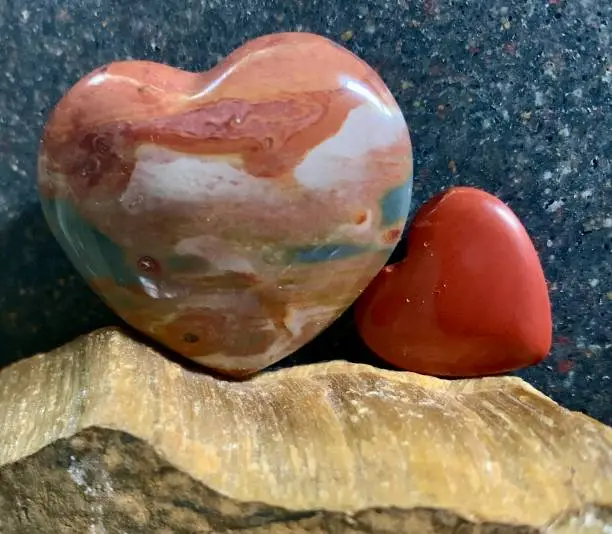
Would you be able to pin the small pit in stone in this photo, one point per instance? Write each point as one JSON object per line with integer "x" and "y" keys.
{"x": 190, "y": 338}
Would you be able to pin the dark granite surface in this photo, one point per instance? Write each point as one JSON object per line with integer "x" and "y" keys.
{"x": 514, "y": 96}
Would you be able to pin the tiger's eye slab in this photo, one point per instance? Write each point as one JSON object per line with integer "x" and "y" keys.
{"x": 234, "y": 214}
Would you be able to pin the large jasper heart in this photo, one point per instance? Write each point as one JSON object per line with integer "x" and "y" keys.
{"x": 231, "y": 215}
{"x": 470, "y": 297}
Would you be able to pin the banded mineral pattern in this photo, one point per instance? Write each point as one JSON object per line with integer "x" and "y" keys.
{"x": 234, "y": 214}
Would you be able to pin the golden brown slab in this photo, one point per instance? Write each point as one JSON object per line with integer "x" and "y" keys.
{"x": 105, "y": 435}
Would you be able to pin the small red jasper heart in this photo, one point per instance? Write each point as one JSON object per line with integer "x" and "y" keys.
{"x": 470, "y": 297}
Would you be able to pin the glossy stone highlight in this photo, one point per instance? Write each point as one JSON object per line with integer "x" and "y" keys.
{"x": 469, "y": 298}
{"x": 231, "y": 215}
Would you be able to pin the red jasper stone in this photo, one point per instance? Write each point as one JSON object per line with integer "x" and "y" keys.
{"x": 470, "y": 297}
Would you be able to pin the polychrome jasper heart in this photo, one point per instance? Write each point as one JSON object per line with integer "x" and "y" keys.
{"x": 470, "y": 297}
{"x": 231, "y": 215}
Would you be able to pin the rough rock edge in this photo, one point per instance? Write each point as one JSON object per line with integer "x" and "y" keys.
{"x": 106, "y": 481}
{"x": 101, "y": 494}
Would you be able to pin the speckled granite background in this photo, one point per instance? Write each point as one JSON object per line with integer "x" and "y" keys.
{"x": 514, "y": 96}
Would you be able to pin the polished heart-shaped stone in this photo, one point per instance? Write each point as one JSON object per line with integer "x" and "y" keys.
{"x": 234, "y": 214}
{"x": 469, "y": 298}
